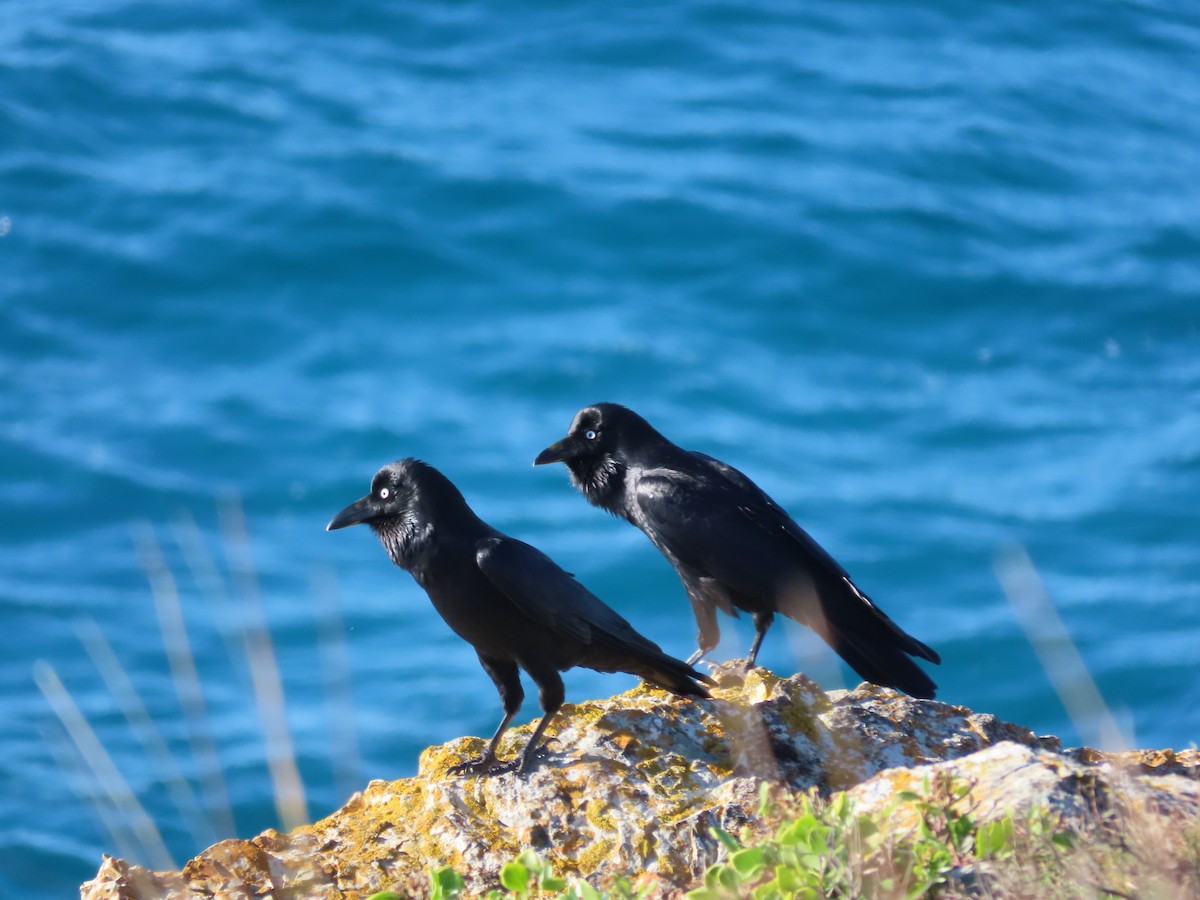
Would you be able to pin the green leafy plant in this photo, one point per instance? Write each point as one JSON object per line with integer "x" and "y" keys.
{"x": 805, "y": 857}
{"x": 528, "y": 876}
{"x": 806, "y": 848}
{"x": 445, "y": 884}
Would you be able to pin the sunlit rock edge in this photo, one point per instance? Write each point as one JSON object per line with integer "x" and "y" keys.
{"x": 633, "y": 784}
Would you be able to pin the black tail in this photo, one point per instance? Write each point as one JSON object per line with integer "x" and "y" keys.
{"x": 884, "y": 664}
{"x": 645, "y": 660}
{"x": 674, "y": 675}
{"x": 869, "y": 641}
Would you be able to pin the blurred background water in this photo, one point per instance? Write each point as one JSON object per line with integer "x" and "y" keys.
{"x": 930, "y": 273}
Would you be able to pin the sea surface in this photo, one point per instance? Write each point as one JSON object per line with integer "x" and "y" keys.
{"x": 928, "y": 272}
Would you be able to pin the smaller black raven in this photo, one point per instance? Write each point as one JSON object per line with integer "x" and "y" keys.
{"x": 732, "y": 545}
{"x": 505, "y": 598}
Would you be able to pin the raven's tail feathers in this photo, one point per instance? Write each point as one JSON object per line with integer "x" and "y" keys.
{"x": 884, "y": 664}
{"x": 645, "y": 660}
{"x": 628, "y": 651}
{"x": 675, "y": 676}
{"x": 869, "y": 641}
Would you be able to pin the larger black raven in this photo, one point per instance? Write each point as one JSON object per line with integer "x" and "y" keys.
{"x": 505, "y": 598}
{"x": 732, "y": 545}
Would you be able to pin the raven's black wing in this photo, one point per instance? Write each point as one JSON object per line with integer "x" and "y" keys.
{"x": 551, "y": 596}
{"x": 772, "y": 518}
{"x": 715, "y": 523}
{"x": 545, "y": 592}
{"x": 727, "y": 536}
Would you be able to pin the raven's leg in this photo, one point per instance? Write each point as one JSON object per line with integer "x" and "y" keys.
{"x": 709, "y": 634}
{"x": 507, "y": 678}
{"x": 550, "y": 695}
{"x": 762, "y": 621}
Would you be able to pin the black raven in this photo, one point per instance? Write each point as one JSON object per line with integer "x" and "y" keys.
{"x": 732, "y": 545}
{"x": 505, "y": 598}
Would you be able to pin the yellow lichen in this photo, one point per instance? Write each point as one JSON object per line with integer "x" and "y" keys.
{"x": 800, "y": 718}
{"x": 599, "y": 816}
{"x": 594, "y": 855}
{"x": 631, "y": 784}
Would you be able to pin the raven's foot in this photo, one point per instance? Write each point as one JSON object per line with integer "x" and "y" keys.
{"x": 490, "y": 765}
{"x": 525, "y": 761}
{"x": 484, "y": 764}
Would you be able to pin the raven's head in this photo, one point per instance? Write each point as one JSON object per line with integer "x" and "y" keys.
{"x": 602, "y": 442}
{"x": 399, "y": 507}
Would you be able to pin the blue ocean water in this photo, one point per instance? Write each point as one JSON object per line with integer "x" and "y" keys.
{"x": 929, "y": 273}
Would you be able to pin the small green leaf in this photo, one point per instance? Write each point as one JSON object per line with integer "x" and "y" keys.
{"x": 867, "y": 827}
{"x": 531, "y": 861}
{"x": 1063, "y": 839}
{"x": 712, "y": 877}
{"x": 444, "y": 884}
{"x": 621, "y": 889}
{"x": 729, "y": 879}
{"x": 790, "y": 879}
{"x": 515, "y": 877}
{"x": 994, "y": 838}
{"x": 798, "y": 832}
{"x": 385, "y": 895}
{"x": 749, "y": 862}
{"x": 959, "y": 830}
{"x": 839, "y": 807}
{"x": 728, "y": 841}
{"x": 768, "y": 891}
{"x": 811, "y": 861}
{"x": 585, "y": 891}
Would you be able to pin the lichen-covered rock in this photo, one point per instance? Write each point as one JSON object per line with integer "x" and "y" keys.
{"x": 635, "y": 783}
{"x": 1008, "y": 777}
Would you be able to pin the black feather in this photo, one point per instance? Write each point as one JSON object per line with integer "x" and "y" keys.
{"x": 510, "y": 601}
{"x": 733, "y": 547}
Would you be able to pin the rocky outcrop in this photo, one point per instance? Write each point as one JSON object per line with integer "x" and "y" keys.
{"x": 634, "y": 784}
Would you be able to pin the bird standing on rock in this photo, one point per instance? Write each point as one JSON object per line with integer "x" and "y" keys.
{"x": 508, "y": 600}
{"x": 733, "y": 546}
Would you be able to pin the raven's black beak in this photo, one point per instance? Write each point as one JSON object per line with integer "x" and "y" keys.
{"x": 560, "y": 451}
{"x": 358, "y": 511}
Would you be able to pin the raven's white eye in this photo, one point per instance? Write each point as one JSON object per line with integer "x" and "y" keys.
{"x": 384, "y": 493}
{"x": 590, "y": 435}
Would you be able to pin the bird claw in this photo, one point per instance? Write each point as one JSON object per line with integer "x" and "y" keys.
{"x": 489, "y": 765}
{"x": 484, "y": 764}
{"x": 522, "y": 763}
